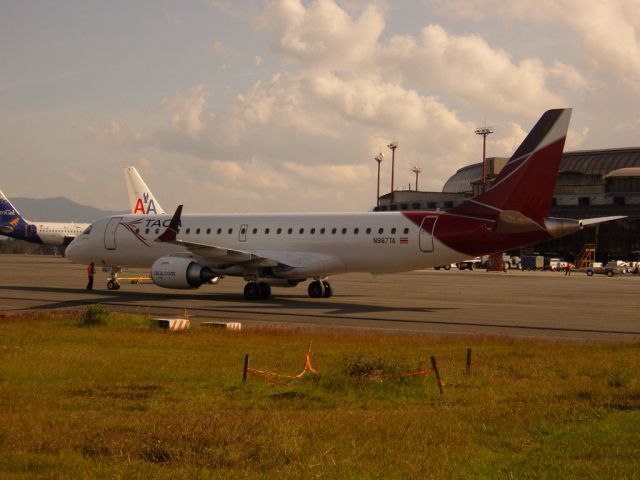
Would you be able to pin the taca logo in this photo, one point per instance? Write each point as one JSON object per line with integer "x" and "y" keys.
{"x": 7, "y": 212}
{"x": 143, "y": 202}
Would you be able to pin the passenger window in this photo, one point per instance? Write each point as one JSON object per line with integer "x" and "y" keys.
{"x": 146, "y": 231}
{"x": 344, "y": 230}
{"x": 266, "y": 231}
{"x": 368, "y": 231}
{"x": 137, "y": 231}
{"x": 197, "y": 231}
{"x": 157, "y": 231}
{"x": 313, "y": 231}
{"x": 290, "y": 231}
{"x": 334, "y": 230}
{"x": 356, "y": 231}
{"x": 301, "y": 231}
{"x": 230, "y": 231}
{"x": 279, "y": 231}
{"x": 208, "y": 231}
{"x": 219, "y": 231}
{"x": 381, "y": 231}
{"x": 322, "y": 230}
{"x": 255, "y": 230}
{"x": 243, "y": 230}
{"x": 188, "y": 230}
{"x": 406, "y": 230}
{"x": 393, "y": 231}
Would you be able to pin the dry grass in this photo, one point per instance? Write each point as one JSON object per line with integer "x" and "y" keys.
{"x": 123, "y": 401}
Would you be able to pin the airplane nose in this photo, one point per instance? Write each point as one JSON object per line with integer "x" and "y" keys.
{"x": 71, "y": 252}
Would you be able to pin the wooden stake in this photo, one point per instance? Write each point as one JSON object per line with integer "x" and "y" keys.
{"x": 469, "y": 361}
{"x": 434, "y": 366}
{"x": 246, "y": 367}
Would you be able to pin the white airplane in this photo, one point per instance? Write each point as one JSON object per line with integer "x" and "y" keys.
{"x": 14, "y": 225}
{"x": 286, "y": 249}
{"x": 142, "y": 200}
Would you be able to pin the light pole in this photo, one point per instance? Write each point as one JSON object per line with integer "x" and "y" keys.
{"x": 484, "y": 131}
{"x": 392, "y": 146}
{"x": 417, "y": 170}
{"x": 378, "y": 158}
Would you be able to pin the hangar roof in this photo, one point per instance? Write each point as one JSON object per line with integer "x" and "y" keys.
{"x": 587, "y": 162}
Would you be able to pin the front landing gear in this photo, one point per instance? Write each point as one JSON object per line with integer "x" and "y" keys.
{"x": 257, "y": 291}
{"x": 320, "y": 289}
{"x": 113, "y": 283}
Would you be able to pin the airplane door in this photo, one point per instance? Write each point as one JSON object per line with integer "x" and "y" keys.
{"x": 427, "y": 231}
{"x": 110, "y": 233}
{"x": 243, "y": 232}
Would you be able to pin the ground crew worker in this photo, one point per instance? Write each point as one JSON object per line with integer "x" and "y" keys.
{"x": 91, "y": 270}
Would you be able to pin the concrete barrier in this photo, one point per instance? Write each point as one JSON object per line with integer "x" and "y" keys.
{"x": 170, "y": 323}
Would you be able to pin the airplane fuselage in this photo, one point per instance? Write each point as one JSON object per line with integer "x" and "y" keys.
{"x": 337, "y": 242}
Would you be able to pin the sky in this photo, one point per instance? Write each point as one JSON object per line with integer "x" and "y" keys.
{"x": 282, "y": 105}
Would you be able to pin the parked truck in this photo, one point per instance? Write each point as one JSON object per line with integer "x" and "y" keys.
{"x": 534, "y": 262}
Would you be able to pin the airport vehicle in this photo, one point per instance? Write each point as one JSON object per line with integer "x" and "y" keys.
{"x": 286, "y": 249}
{"x": 534, "y": 262}
{"x": 14, "y": 225}
{"x": 609, "y": 269}
{"x": 469, "y": 264}
{"x": 444, "y": 267}
{"x": 141, "y": 199}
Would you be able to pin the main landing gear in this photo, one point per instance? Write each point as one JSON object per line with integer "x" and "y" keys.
{"x": 257, "y": 291}
{"x": 113, "y": 283}
{"x": 320, "y": 289}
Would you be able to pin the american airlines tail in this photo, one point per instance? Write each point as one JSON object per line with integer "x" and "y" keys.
{"x": 142, "y": 200}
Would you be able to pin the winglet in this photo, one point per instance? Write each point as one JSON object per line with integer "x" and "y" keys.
{"x": 170, "y": 234}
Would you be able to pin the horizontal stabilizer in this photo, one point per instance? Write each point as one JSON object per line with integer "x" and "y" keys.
{"x": 594, "y": 221}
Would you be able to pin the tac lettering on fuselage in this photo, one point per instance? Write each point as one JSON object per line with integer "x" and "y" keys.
{"x": 150, "y": 223}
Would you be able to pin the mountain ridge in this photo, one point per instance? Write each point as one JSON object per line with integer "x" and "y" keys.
{"x": 59, "y": 209}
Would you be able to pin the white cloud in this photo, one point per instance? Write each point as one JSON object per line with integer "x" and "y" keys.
{"x": 310, "y": 131}
{"x": 187, "y": 110}
{"x": 608, "y": 32}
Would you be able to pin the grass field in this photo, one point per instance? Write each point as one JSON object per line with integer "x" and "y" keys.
{"x": 125, "y": 401}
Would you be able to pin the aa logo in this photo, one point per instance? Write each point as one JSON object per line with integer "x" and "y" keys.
{"x": 145, "y": 205}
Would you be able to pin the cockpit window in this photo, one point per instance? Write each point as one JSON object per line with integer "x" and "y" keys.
{"x": 87, "y": 230}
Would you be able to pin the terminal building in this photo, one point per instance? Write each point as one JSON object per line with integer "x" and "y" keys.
{"x": 591, "y": 183}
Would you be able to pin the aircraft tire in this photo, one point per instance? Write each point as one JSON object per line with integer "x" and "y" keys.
{"x": 264, "y": 291}
{"x": 251, "y": 291}
{"x": 328, "y": 291}
{"x": 315, "y": 289}
{"x": 111, "y": 285}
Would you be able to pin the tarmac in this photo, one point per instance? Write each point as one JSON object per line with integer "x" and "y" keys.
{"x": 539, "y": 305}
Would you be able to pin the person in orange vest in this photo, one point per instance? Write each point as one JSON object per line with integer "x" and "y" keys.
{"x": 91, "y": 270}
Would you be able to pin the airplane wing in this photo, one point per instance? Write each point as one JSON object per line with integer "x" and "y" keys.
{"x": 593, "y": 221}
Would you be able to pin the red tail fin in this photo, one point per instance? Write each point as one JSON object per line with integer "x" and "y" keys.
{"x": 528, "y": 180}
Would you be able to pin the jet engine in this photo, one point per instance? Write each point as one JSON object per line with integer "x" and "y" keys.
{"x": 180, "y": 272}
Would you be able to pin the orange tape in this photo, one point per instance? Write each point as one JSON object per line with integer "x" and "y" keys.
{"x": 417, "y": 372}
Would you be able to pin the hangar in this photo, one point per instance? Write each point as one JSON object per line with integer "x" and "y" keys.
{"x": 591, "y": 183}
